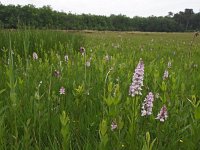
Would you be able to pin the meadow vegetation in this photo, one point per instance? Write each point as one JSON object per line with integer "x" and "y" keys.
{"x": 69, "y": 90}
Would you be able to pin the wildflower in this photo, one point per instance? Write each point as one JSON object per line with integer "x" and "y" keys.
{"x": 87, "y": 63}
{"x": 166, "y": 75}
{"x": 88, "y": 92}
{"x": 62, "y": 90}
{"x": 107, "y": 58}
{"x": 66, "y": 58}
{"x": 82, "y": 50}
{"x": 195, "y": 65}
{"x": 137, "y": 80}
{"x": 56, "y": 73}
{"x": 111, "y": 68}
{"x": 162, "y": 116}
{"x": 157, "y": 95}
{"x": 117, "y": 79}
{"x": 147, "y": 105}
{"x": 113, "y": 126}
{"x": 40, "y": 84}
{"x": 169, "y": 64}
{"x": 115, "y": 45}
{"x": 35, "y": 56}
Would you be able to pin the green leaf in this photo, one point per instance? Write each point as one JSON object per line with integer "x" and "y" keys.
{"x": 110, "y": 87}
{"x": 2, "y": 91}
{"x": 103, "y": 127}
{"x": 108, "y": 101}
{"x": 64, "y": 119}
{"x": 182, "y": 87}
{"x": 197, "y": 113}
{"x": 105, "y": 139}
{"x": 120, "y": 123}
{"x": 152, "y": 143}
{"x": 156, "y": 74}
{"x": 145, "y": 146}
{"x": 164, "y": 86}
{"x": 148, "y": 138}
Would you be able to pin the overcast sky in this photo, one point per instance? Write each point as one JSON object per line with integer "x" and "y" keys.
{"x": 106, "y": 7}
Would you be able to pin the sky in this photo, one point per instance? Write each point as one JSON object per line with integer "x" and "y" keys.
{"x": 129, "y": 8}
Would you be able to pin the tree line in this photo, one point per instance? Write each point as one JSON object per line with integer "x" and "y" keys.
{"x": 14, "y": 17}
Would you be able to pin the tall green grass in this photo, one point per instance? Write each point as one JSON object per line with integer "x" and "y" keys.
{"x": 34, "y": 115}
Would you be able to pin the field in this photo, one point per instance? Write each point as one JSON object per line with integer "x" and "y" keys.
{"x": 99, "y": 90}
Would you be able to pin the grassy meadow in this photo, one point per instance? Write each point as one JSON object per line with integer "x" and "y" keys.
{"x": 70, "y": 90}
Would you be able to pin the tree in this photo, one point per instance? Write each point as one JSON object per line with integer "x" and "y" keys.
{"x": 188, "y": 15}
{"x": 12, "y": 16}
{"x": 170, "y": 14}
